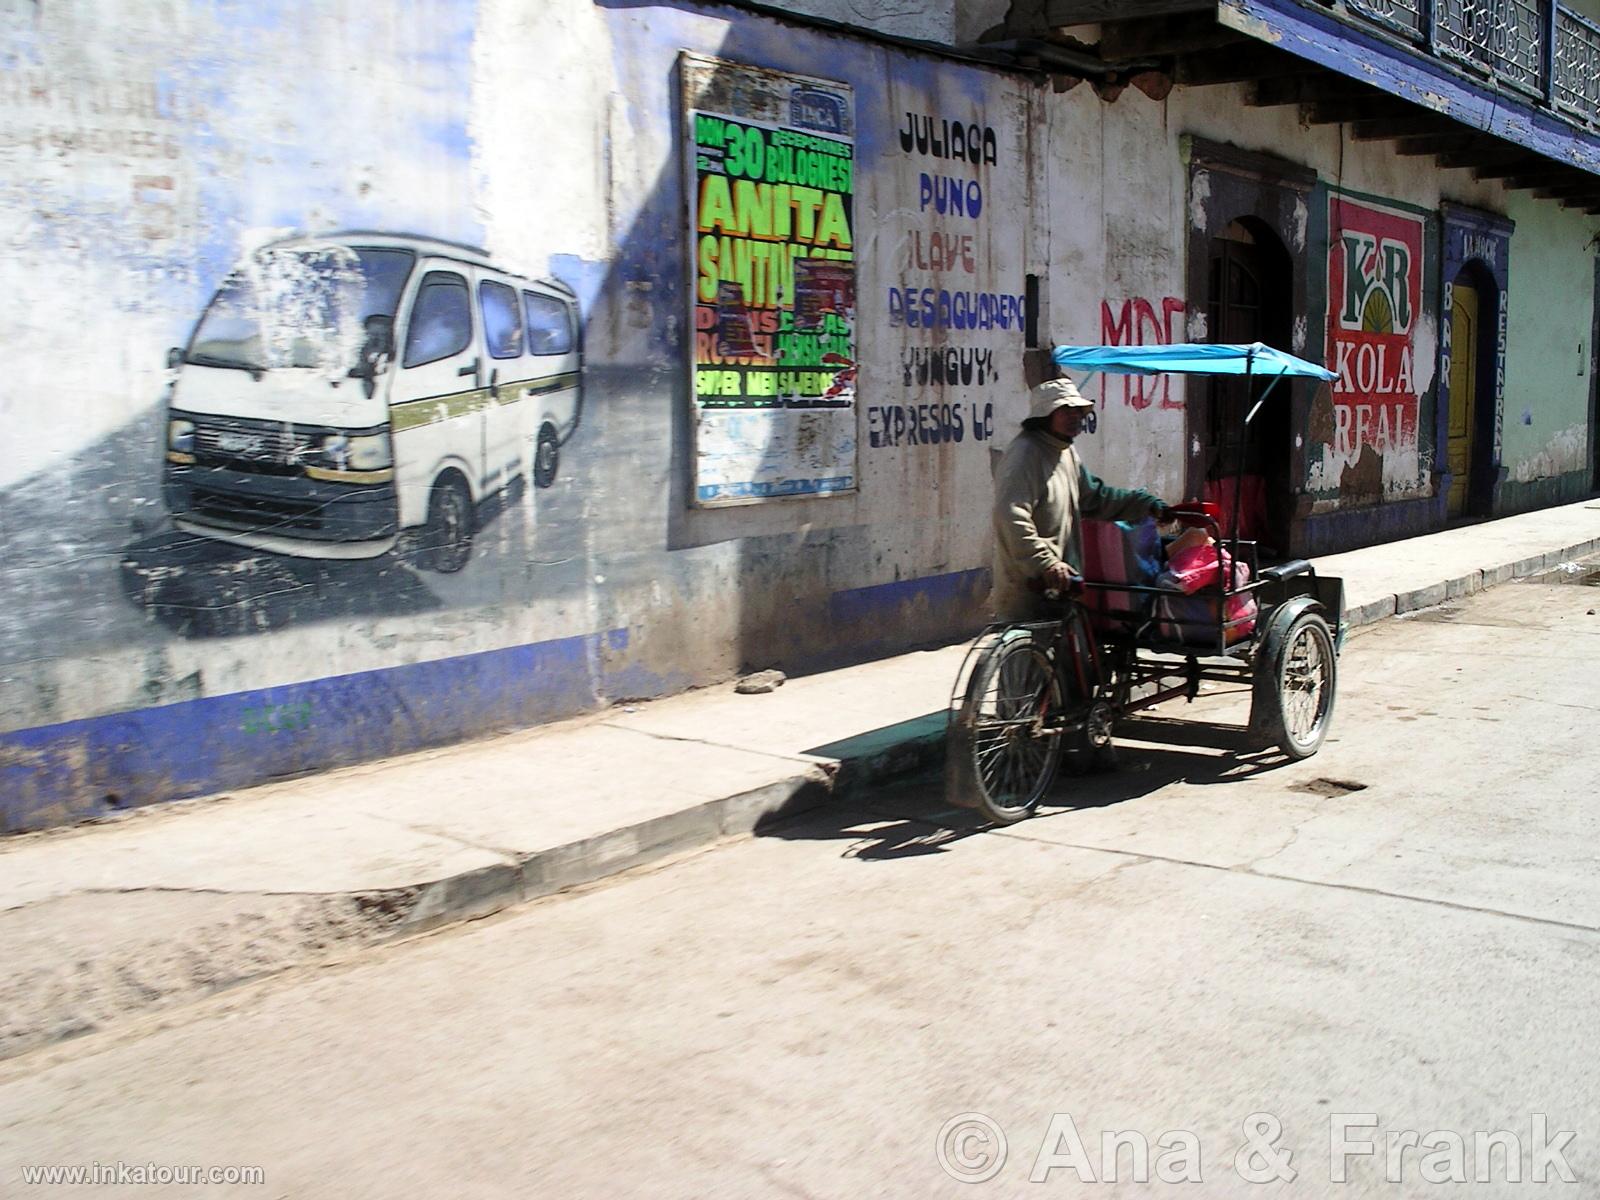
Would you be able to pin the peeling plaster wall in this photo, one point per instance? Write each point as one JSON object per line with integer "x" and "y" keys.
{"x": 1336, "y": 472}
{"x": 1120, "y": 208}
{"x": 1114, "y": 271}
{"x": 1548, "y": 354}
{"x": 1564, "y": 453}
{"x": 144, "y": 152}
{"x": 923, "y": 20}
{"x": 1549, "y": 305}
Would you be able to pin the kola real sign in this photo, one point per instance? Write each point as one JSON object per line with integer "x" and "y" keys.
{"x": 1374, "y": 300}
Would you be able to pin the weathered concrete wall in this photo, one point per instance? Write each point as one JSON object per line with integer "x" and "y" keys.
{"x": 1116, "y": 196}
{"x": 1371, "y": 470}
{"x": 146, "y": 152}
{"x": 1122, "y": 207}
{"x": 922, "y": 20}
{"x": 1545, "y": 448}
{"x": 940, "y": 22}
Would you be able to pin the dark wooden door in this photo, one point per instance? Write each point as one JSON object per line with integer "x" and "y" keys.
{"x": 1248, "y": 301}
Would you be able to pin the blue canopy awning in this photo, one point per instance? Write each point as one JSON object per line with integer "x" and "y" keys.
{"x": 1188, "y": 358}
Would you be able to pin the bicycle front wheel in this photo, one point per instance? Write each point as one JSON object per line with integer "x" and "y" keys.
{"x": 1010, "y": 729}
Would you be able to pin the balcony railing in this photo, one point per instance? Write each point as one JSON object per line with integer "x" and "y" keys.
{"x": 1404, "y": 16}
{"x": 1576, "y": 67}
{"x": 1503, "y": 37}
{"x": 1538, "y": 47}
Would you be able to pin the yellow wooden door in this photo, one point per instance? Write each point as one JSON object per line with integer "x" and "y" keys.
{"x": 1463, "y": 391}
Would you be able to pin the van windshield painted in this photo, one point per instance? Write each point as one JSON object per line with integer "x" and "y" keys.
{"x": 305, "y": 308}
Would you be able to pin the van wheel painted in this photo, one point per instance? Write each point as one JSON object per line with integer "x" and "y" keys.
{"x": 546, "y": 456}
{"x": 447, "y": 537}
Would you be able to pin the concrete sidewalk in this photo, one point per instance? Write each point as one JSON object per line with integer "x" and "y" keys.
{"x": 101, "y": 922}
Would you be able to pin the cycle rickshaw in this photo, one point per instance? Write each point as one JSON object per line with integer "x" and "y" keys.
{"x": 1029, "y": 693}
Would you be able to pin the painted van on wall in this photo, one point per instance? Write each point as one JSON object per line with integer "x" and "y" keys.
{"x": 343, "y": 392}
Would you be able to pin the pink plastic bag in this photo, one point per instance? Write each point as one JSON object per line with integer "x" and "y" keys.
{"x": 1196, "y": 567}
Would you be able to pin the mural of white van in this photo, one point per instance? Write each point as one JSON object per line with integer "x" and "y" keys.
{"x": 344, "y": 391}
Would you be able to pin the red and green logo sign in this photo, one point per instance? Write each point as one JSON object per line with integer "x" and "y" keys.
{"x": 1374, "y": 296}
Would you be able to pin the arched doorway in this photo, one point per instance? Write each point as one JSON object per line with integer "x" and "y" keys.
{"x": 1469, "y": 425}
{"x": 1248, "y": 299}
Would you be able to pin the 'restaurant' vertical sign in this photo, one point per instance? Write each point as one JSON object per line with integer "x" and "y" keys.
{"x": 771, "y": 180}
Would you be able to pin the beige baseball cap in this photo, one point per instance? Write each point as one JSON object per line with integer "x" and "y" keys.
{"x": 1053, "y": 394}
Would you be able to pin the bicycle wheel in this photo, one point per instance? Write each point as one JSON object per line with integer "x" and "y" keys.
{"x": 1295, "y": 686}
{"x": 1010, "y": 729}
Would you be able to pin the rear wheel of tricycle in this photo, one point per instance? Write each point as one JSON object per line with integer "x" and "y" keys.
{"x": 1295, "y": 681}
{"x": 1008, "y": 733}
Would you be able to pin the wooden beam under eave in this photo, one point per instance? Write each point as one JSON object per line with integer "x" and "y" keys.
{"x": 1093, "y": 12}
{"x": 1578, "y": 189}
{"x": 1411, "y": 125}
{"x": 1380, "y": 121}
{"x": 1539, "y": 179}
{"x": 1186, "y": 33}
{"x": 1242, "y": 64}
{"x": 1432, "y": 144}
{"x": 1513, "y": 161}
{"x": 1537, "y": 174}
{"x": 1308, "y": 85}
{"x": 1483, "y": 156}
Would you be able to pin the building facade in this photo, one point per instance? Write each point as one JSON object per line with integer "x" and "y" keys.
{"x": 381, "y": 378}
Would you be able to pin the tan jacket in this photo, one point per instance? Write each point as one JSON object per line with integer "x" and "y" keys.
{"x": 1041, "y": 490}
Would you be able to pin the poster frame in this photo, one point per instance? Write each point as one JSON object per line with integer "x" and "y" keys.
{"x": 686, "y": 142}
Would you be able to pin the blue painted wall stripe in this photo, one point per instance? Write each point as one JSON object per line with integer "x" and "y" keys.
{"x": 58, "y": 773}
{"x": 855, "y": 604}
{"x": 887, "y": 617}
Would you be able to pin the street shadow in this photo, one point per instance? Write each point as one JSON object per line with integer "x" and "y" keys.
{"x": 1174, "y": 731}
{"x": 917, "y": 815}
{"x": 874, "y": 834}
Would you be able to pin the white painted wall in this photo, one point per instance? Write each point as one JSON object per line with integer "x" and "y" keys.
{"x": 571, "y": 169}
{"x": 143, "y": 149}
{"x": 925, "y": 20}
{"x": 1118, "y": 202}
{"x": 1548, "y": 334}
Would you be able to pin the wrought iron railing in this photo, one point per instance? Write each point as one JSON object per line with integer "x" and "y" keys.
{"x": 1541, "y": 48}
{"x": 1503, "y": 37}
{"x": 1576, "y": 66}
{"x": 1407, "y": 17}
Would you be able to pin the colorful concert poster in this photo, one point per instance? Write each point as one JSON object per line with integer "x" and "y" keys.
{"x": 771, "y": 180}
